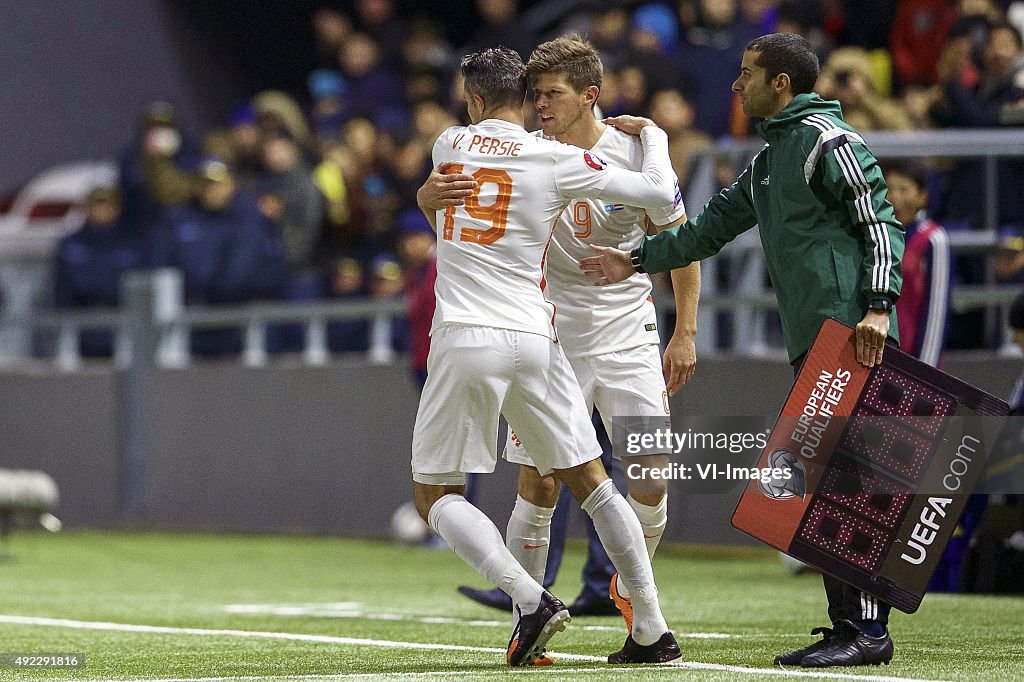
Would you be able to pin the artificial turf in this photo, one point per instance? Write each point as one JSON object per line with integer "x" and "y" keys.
{"x": 366, "y": 599}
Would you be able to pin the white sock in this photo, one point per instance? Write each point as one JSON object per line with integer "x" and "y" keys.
{"x": 652, "y": 522}
{"x": 528, "y": 535}
{"x": 620, "y": 533}
{"x": 475, "y": 539}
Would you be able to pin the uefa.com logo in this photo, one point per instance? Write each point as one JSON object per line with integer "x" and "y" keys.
{"x": 784, "y": 487}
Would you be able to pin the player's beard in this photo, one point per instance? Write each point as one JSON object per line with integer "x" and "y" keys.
{"x": 558, "y": 128}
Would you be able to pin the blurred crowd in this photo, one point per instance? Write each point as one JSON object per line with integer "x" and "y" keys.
{"x": 311, "y": 195}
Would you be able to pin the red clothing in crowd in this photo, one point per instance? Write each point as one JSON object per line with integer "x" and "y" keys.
{"x": 918, "y": 37}
{"x": 420, "y": 302}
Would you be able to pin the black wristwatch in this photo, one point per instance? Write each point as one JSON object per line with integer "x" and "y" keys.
{"x": 634, "y": 258}
{"x": 880, "y": 305}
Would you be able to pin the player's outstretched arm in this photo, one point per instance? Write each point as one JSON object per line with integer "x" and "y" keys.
{"x": 680, "y": 358}
{"x": 608, "y": 266}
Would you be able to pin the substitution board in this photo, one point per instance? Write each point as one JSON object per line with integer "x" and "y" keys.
{"x": 874, "y": 466}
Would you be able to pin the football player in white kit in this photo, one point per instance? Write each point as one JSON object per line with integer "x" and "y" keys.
{"x": 610, "y": 336}
{"x": 494, "y": 350}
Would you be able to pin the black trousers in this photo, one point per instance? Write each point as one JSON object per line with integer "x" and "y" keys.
{"x": 846, "y": 602}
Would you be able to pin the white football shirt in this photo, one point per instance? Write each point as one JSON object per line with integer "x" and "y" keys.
{"x": 491, "y": 251}
{"x": 594, "y": 320}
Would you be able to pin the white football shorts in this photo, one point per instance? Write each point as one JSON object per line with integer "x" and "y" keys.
{"x": 626, "y": 383}
{"x": 473, "y": 374}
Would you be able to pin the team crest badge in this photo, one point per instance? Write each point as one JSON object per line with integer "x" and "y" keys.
{"x": 594, "y": 161}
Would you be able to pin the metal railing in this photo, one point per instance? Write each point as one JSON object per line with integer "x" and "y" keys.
{"x": 154, "y": 304}
{"x": 154, "y": 310}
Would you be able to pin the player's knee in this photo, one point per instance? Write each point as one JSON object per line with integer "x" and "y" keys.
{"x": 426, "y": 496}
{"x": 643, "y": 487}
{"x": 583, "y": 479}
{"x": 647, "y": 497}
{"x": 536, "y": 489}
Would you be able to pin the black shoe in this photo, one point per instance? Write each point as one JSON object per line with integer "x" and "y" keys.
{"x": 665, "y": 650}
{"x": 495, "y": 598}
{"x": 850, "y": 646}
{"x": 534, "y": 630}
{"x": 794, "y": 657}
{"x": 593, "y": 605}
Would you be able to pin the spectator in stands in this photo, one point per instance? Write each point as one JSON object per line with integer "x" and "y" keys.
{"x": 374, "y": 90}
{"x": 276, "y": 110}
{"x": 430, "y": 119}
{"x": 709, "y": 51}
{"x": 917, "y": 102}
{"x": 378, "y": 20}
{"x": 500, "y": 24}
{"x": 847, "y": 76}
{"x": 238, "y": 145}
{"x": 631, "y": 86}
{"x": 923, "y": 308}
{"x": 610, "y": 35}
{"x": 674, "y": 115}
{"x": 329, "y": 177}
{"x": 409, "y": 164}
{"x": 225, "y": 248}
{"x": 89, "y": 263}
{"x": 388, "y": 333}
{"x": 346, "y": 282}
{"x": 327, "y": 89}
{"x": 290, "y": 198}
{"x": 330, "y": 30}
{"x": 372, "y": 197}
{"x": 996, "y": 100}
{"x": 976, "y": 17}
{"x": 416, "y": 248}
{"x": 652, "y": 44}
{"x": 917, "y": 37}
{"x": 154, "y": 168}
{"x": 805, "y": 17}
{"x": 1009, "y": 256}
{"x": 763, "y": 14}
{"x": 867, "y": 23}
{"x": 427, "y": 61}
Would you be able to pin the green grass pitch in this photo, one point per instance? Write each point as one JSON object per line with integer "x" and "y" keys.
{"x": 147, "y": 606}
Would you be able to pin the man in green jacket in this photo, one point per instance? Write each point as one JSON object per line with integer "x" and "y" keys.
{"x": 833, "y": 247}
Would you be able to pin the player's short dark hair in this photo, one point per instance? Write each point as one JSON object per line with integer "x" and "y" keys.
{"x": 496, "y": 74}
{"x": 790, "y": 54}
{"x": 914, "y": 171}
{"x": 571, "y": 56}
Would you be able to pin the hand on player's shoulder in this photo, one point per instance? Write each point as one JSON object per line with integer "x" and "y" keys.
{"x": 631, "y": 125}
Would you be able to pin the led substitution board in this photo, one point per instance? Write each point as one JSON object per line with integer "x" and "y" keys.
{"x": 873, "y": 467}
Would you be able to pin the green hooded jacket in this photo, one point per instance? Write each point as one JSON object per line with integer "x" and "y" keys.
{"x": 830, "y": 237}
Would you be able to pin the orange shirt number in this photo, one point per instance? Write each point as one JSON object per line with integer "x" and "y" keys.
{"x": 581, "y": 216}
{"x": 496, "y": 213}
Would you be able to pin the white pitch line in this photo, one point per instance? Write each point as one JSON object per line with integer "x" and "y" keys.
{"x": 352, "y": 610}
{"x": 409, "y": 675}
{"x": 356, "y": 641}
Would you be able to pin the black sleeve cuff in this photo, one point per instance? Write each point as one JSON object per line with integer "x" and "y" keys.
{"x": 634, "y": 257}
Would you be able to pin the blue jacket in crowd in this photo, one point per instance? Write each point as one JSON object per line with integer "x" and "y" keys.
{"x": 225, "y": 256}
